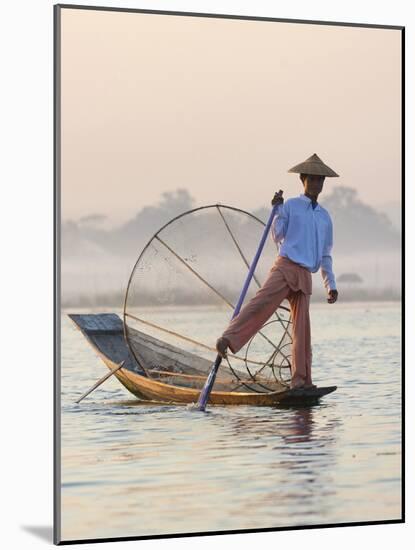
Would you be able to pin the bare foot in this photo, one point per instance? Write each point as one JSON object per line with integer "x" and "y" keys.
{"x": 297, "y": 387}
{"x": 303, "y": 387}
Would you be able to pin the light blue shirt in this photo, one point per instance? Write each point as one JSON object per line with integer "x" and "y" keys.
{"x": 306, "y": 236}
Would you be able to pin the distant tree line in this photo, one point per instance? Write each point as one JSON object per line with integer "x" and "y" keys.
{"x": 357, "y": 226}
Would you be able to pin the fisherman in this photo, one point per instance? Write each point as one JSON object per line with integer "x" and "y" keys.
{"x": 305, "y": 230}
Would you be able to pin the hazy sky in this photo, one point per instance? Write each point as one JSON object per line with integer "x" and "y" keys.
{"x": 223, "y": 108}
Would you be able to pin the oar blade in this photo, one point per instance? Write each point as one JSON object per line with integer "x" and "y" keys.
{"x": 207, "y": 388}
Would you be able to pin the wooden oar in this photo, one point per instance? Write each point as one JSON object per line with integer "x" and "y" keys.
{"x": 207, "y": 388}
{"x": 101, "y": 381}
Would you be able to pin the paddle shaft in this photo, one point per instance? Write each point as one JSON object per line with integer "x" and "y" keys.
{"x": 101, "y": 381}
{"x": 207, "y": 388}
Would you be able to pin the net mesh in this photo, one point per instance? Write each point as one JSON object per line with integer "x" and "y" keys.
{"x": 182, "y": 293}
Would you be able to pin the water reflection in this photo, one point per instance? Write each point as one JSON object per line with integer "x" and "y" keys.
{"x": 235, "y": 467}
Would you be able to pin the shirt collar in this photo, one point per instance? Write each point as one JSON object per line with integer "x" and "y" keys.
{"x": 307, "y": 199}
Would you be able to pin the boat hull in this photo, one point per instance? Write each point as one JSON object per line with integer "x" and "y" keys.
{"x": 104, "y": 333}
{"x": 148, "y": 389}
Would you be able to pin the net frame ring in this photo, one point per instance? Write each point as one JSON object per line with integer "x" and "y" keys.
{"x": 283, "y": 378}
{"x": 219, "y": 208}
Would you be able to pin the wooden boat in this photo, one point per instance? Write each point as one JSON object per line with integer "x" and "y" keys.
{"x": 173, "y": 375}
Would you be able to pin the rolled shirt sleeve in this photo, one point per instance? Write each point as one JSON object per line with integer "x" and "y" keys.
{"x": 280, "y": 223}
{"x": 327, "y": 261}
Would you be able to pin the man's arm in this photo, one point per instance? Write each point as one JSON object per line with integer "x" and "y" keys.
{"x": 327, "y": 261}
{"x": 280, "y": 223}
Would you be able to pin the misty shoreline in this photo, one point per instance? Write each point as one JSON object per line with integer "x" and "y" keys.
{"x": 97, "y": 262}
{"x": 116, "y": 299}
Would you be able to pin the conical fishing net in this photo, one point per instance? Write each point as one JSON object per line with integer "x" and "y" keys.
{"x": 181, "y": 296}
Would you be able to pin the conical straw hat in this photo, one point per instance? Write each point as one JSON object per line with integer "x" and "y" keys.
{"x": 315, "y": 167}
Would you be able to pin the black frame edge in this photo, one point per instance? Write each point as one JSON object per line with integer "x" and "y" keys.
{"x": 230, "y": 16}
{"x": 56, "y": 275}
{"x": 232, "y": 532}
{"x": 403, "y": 299}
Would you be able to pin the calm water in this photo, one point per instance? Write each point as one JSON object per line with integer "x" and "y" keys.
{"x": 130, "y": 469}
